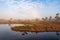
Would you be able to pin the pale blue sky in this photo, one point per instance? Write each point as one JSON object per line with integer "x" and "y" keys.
{"x": 28, "y": 9}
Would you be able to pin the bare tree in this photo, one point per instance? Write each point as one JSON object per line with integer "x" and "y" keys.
{"x": 46, "y": 18}
{"x": 43, "y": 19}
{"x": 57, "y": 18}
{"x": 50, "y": 18}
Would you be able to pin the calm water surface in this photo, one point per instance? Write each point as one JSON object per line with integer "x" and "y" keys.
{"x": 7, "y": 34}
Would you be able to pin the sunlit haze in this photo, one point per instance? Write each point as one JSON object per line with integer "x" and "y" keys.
{"x": 28, "y": 9}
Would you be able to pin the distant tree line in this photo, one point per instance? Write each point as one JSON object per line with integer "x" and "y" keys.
{"x": 50, "y": 19}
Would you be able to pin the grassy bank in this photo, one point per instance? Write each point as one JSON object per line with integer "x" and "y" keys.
{"x": 39, "y": 27}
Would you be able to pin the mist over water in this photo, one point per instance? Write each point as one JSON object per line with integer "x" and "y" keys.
{"x": 7, "y": 34}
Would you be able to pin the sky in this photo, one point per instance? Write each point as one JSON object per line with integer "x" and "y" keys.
{"x": 28, "y": 9}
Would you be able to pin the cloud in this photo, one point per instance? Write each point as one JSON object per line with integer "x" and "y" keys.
{"x": 29, "y": 9}
{"x": 23, "y": 10}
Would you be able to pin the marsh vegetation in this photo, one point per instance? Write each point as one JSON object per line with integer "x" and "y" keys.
{"x": 44, "y": 25}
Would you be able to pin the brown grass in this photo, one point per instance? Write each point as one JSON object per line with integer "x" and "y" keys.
{"x": 39, "y": 27}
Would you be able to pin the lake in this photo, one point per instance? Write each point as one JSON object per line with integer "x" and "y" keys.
{"x": 7, "y": 34}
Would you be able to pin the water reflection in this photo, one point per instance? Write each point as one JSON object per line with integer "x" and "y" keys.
{"x": 57, "y": 33}
{"x": 24, "y": 32}
{"x": 6, "y": 33}
{"x": 42, "y": 35}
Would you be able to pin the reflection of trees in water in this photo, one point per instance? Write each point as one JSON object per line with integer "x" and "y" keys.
{"x": 24, "y": 33}
{"x": 57, "y": 33}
